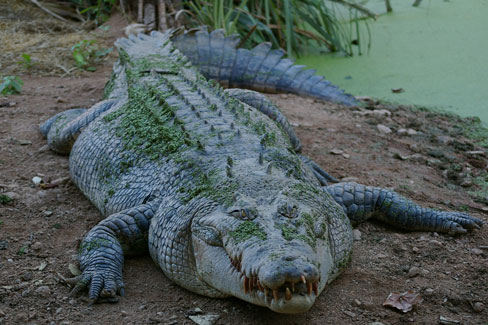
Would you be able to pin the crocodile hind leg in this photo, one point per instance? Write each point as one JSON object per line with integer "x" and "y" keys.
{"x": 361, "y": 202}
{"x": 102, "y": 251}
{"x": 63, "y": 128}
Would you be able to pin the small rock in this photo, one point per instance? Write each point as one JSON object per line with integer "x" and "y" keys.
{"x": 381, "y": 256}
{"x": 424, "y": 272}
{"x": 357, "y": 302}
{"x": 478, "y": 307}
{"x": 383, "y": 129}
{"x": 44, "y": 148}
{"x": 336, "y": 152}
{"x": 26, "y": 293}
{"x": 209, "y": 319}
{"x": 356, "y": 234}
{"x": 59, "y": 310}
{"x": 21, "y": 318}
{"x": 444, "y": 139}
{"x": 2, "y": 314}
{"x": 381, "y": 112}
{"x": 345, "y": 155}
{"x": 36, "y": 246}
{"x": 476, "y": 251}
{"x": 415, "y": 249}
{"x": 25, "y": 142}
{"x": 36, "y": 180}
{"x": 448, "y": 321}
{"x": 12, "y": 195}
{"x": 411, "y": 132}
{"x": 476, "y": 153}
{"x": 142, "y": 307}
{"x": 47, "y": 213}
{"x": 43, "y": 291}
{"x": 413, "y": 272}
{"x": 27, "y": 276}
{"x": 428, "y": 292}
{"x": 3, "y": 245}
{"x": 198, "y": 310}
{"x": 467, "y": 182}
{"x": 402, "y": 131}
{"x": 435, "y": 242}
{"x": 349, "y": 313}
{"x": 124, "y": 313}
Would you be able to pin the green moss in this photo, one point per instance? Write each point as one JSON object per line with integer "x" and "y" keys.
{"x": 246, "y": 230}
{"x": 211, "y": 186}
{"x": 109, "y": 86}
{"x": 4, "y": 199}
{"x": 146, "y": 124}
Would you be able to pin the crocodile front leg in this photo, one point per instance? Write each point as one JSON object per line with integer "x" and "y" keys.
{"x": 101, "y": 253}
{"x": 361, "y": 202}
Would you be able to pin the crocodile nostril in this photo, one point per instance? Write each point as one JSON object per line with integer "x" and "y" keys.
{"x": 290, "y": 258}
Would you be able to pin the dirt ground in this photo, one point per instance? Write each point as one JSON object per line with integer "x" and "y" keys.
{"x": 40, "y": 228}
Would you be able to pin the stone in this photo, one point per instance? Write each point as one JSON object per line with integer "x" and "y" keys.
{"x": 402, "y": 131}
{"x": 356, "y": 234}
{"x": 428, "y": 292}
{"x": 36, "y": 180}
{"x": 27, "y": 276}
{"x": 383, "y": 129}
{"x": 476, "y": 251}
{"x": 208, "y": 319}
{"x": 43, "y": 291}
{"x": 478, "y": 307}
{"x": 413, "y": 272}
{"x": 3, "y": 245}
{"x": 349, "y": 313}
{"x": 336, "y": 152}
{"x": 12, "y": 195}
{"x": 415, "y": 249}
{"x": 36, "y": 246}
{"x": 411, "y": 132}
{"x": 349, "y": 179}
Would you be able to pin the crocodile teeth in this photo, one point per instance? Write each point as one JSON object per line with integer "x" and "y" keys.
{"x": 259, "y": 286}
{"x": 287, "y": 294}
{"x": 315, "y": 288}
{"x": 275, "y": 294}
{"x": 246, "y": 284}
{"x": 302, "y": 277}
{"x": 309, "y": 287}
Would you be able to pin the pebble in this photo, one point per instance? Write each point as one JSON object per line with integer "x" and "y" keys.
{"x": 381, "y": 256}
{"x": 142, "y": 307}
{"x": 209, "y": 319}
{"x": 383, "y": 129}
{"x": 381, "y": 112}
{"x": 428, "y": 292}
{"x": 413, "y": 272}
{"x": 402, "y": 131}
{"x": 36, "y": 180}
{"x": 349, "y": 313}
{"x": 12, "y": 195}
{"x": 478, "y": 307}
{"x": 411, "y": 132}
{"x": 356, "y": 234}
{"x": 27, "y": 276}
{"x": 415, "y": 249}
{"x": 124, "y": 313}
{"x": 36, "y": 246}
{"x": 357, "y": 302}
{"x": 43, "y": 291}
{"x": 444, "y": 139}
{"x": 476, "y": 251}
{"x": 336, "y": 152}
{"x": 3, "y": 245}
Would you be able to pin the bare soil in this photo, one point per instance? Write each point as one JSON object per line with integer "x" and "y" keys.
{"x": 41, "y": 228}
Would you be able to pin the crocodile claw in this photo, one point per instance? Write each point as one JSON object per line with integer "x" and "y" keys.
{"x": 457, "y": 223}
{"x": 103, "y": 285}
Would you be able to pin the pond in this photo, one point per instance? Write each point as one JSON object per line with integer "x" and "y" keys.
{"x": 437, "y": 53}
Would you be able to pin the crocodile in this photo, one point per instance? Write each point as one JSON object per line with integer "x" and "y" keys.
{"x": 211, "y": 183}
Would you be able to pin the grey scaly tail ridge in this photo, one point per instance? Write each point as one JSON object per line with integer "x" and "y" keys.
{"x": 261, "y": 68}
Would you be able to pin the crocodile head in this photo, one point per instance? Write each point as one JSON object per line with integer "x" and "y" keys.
{"x": 276, "y": 255}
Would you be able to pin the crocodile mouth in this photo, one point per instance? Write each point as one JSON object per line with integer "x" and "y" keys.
{"x": 290, "y": 297}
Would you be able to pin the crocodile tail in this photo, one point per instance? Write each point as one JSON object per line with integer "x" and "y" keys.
{"x": 261, "y": 68}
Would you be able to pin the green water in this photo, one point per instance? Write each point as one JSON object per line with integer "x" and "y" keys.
{"x": 438, "y": 53}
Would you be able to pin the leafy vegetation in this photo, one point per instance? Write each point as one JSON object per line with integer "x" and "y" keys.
{"x": 26, "y": 61}
{"x": 87, "y": 53}
{"x": 96, "y": 10}
{"x": 290, "y": 24}
{"x": 11, "y": 85}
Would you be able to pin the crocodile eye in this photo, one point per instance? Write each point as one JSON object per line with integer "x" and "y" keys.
{"x": 244, "y": 214}
{"x": 288, "y": 210}
{"x": 209, "y": 235}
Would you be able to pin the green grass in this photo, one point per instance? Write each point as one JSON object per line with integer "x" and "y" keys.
{"x": 294, "y": 25}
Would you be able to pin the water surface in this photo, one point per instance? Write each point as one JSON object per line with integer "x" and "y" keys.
{"x": 438, "y": 53}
